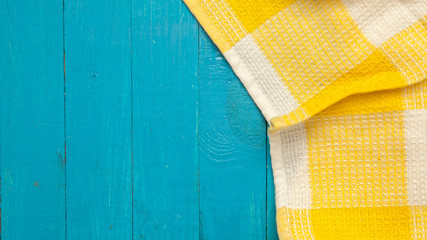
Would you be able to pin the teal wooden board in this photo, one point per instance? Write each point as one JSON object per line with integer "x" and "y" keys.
{"x": 122, "y": 120}
{"x": 165, "y": 120}
{"x": 98, "y": 119}
{"x": 32, "y": 120}
{"x": 233, "y": 153}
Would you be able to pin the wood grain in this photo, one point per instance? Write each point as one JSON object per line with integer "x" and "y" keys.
{"x": 165, "y": 120}
{"x": 32, "y": 120}
{"x": 122, "y": 120}
{"x": 98, "y": 119}
{"x": 233, "y": 153}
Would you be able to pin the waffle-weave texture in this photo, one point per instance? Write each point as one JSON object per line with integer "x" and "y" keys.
{"x": 342, "y": 86}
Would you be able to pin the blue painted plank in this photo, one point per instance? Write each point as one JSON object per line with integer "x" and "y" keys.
{"x": 32, "y": 120}
{"x": 98, "y": 119}
{"x": 165, "y": 95}
{"x": 271, "y": 201}
{"x": 233, "y": 153}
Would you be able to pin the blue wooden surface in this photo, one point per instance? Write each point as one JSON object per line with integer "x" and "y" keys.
{"x": 98, "y": 119}
{"x": 233, "y": 153}
{"x": 32, "y": 120}
{"x": 122, "y": 120}
{"x": 165, "y": 121}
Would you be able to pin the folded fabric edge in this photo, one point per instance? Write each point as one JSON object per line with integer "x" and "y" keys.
{"x": 290, "y": 113}
{"x": 328, "y": 100}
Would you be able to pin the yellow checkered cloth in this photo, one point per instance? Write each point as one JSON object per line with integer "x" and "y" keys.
{"x": 340, "y": 83}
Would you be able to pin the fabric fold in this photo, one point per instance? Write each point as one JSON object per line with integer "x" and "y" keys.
{"x": 342, "y": 86}
{"x": 296, "y": 58}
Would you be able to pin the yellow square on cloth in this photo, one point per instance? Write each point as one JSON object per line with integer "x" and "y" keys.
{"x": 341, "y": 84}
